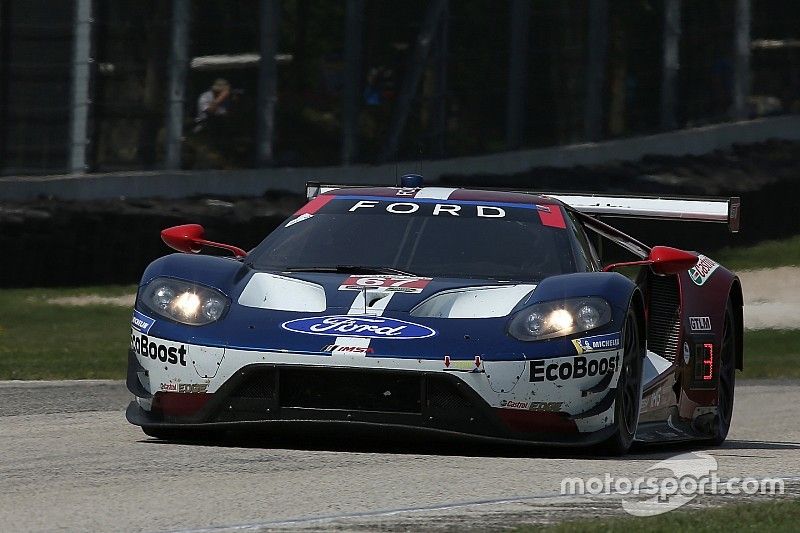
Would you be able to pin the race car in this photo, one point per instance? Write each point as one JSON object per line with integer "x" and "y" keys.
{"x": 447, "y": 312}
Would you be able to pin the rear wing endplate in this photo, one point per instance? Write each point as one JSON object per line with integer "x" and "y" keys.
{"x": 690, "y": 209}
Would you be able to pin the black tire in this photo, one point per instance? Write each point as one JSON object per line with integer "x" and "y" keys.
{"x": 629, "y": 388}
{"x": 726, "y": 384}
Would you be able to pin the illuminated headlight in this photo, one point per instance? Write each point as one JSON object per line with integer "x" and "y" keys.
{"x": 560, "y": 318}
{"x": 184, "y": 302}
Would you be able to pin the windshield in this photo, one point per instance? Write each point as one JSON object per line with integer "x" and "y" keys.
{"x": 435, "y": 238}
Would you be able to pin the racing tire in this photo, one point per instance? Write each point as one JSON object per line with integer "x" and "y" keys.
{"x": 726, "y": 384}
{"x": 629, "y": 388}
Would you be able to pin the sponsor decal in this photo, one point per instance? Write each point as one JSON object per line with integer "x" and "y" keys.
{"x": 145, "y": 348}
{"x": 547, "y": 407}
{"x": 574, "y": 368}
{"x": 384, "y": 283}
{"x": 141, "y": 322}
{"x": 511, "y": 404}
{"x": 542, "y": 407}
{"x": 702, "y": 270}
{"x": 700, "y": 323}
{"x": 341, "y": 348}
{"x": 609, "y": 341}
{"x": 193, "y": 388}
{"x": 437, "y": 209}
{"x": 368, "y": 327}
{"x": 185, "y": 388}
{"x": 463, "y": 365}
{"x": 406, "y": 191}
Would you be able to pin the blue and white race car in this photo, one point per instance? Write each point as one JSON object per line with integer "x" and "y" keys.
{"x": 444, "y": 311}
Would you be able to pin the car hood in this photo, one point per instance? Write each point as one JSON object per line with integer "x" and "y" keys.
{"x": 331, "y": 293}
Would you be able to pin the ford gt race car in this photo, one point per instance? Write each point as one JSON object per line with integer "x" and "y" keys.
{"x": 435, "y": 310}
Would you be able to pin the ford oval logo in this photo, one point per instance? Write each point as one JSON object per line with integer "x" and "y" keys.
{"x": 369, "y": 327}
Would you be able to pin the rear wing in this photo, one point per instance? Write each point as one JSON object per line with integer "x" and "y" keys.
{"x": 690, "y": 209}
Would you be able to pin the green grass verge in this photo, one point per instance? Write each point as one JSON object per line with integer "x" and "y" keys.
{"x": 771, "y": 353}
{"x": 766, "y": 254}
{"x": 773, "y": 516}
{"x": 42, "y": 340}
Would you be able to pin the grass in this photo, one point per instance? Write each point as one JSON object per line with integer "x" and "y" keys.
{"x": 42, "y": 340}
{"x": 771, "y": 353}
{"x": 773, "y": 516}
{"x": 766, "y": 254}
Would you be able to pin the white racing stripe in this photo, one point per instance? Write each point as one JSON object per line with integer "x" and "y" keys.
{"x": 437, "y": 193}
{"x": 366, "y": 302}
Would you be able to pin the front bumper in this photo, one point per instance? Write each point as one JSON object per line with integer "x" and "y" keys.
{"x": 278, "y": 396}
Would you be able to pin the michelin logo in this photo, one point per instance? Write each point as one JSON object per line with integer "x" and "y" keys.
{"x": 610, "y": 341}
{"x": 141, "y": 323}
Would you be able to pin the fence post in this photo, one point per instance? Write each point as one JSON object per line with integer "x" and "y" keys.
{"x": 439, "y": 122}
{"x": 268, "y": 22}
{"x": 353, "y": 52}
{"x": 517, "y": 73}
{"x": 81, "y": 78}
{"x": 671, "y": 63}
{"x": 176, "y": 95}
{"x": 416, "y": 66}
{"x": 741, "y": 52}
{"x": 596, "y": 69}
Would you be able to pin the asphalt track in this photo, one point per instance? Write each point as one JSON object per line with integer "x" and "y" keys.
{"x": 70, "y": 461}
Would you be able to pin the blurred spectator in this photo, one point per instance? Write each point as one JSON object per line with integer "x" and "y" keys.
{"x": 213, "y": 103}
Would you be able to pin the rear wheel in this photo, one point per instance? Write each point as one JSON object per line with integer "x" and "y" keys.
{"x": 727, "y": 378}
{"x": 629, "y": 389}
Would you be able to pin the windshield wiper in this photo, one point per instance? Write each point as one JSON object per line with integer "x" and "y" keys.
{"x": 350, "y": 269}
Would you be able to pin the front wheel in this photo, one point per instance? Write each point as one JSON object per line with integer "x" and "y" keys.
{"x": 727, "y": 379}
{"x": 629, "y": 389}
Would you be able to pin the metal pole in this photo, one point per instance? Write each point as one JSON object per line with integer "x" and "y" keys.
{"x": 269, "y": 20}
{"x": 411, "y": 80}
{"x": 353, "y": 46}
{"x": 440, "y": 87}
{"x": 178, "y": 61}
{"x": 81, "y": 77}
{"x": 741, "y": 69}
{"x": 671, "y": 64}
{"x": 517, "y": 73}
{"x": 596, "y": 69}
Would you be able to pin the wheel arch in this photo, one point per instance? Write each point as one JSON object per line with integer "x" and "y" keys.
{"x": 737, "y": 300}
{"x": 637, "y": 302}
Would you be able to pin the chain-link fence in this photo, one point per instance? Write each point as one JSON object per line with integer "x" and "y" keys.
{"x": 373, "y": 80}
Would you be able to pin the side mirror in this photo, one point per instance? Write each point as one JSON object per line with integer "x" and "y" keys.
{"x": 663, "y": 260}
{"x": 188, "y": 238}
{"x": 666, "y": 260}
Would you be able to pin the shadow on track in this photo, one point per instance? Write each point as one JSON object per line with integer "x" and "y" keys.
{"x": 359, "y": 440}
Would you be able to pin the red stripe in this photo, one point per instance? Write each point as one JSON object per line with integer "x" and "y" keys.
{"x": 552, "y": 217}
{"x": 314, "y": 205}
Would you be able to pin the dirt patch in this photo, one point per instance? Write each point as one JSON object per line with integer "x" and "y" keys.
{"x": 771, "y": 298}
{"x": 94, "y": 299}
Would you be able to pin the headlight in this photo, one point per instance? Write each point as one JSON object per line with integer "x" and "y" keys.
{"x": 557, "y": 319}
{"x": 184, "y": 302}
